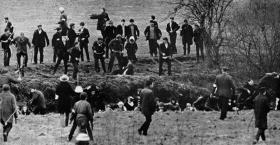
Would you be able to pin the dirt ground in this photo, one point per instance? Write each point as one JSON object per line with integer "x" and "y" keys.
{"x": 118, "y": 127}
{"x": 169, "y": 128}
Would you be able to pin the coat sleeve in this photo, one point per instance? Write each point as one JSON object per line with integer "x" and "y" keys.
{"x": 177, "y": 27}
{"x": 87, "y": 33}
{"x": 167, "y": 28}
{"x": 146, "y": 31}
{"x": 47, "y": 39}
{"x": 34, "y": 38}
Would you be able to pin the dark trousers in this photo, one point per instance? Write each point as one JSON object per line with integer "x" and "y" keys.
{"x": 168, "y": 62}
{"x": 144, "y": 128}
{"x": 97, "y": 58}
{"x": 223, "y": 101}
{"x": 54, "y": 54}
{"x": 73, "y": 128}
{"x": 75, "y": 69}
{"x": 36, "y": 50}
{"x": 107, "y": 41}
{"x": 39, "y": 110}
{"x": 185, "y": 44}
{"x": 260, "y": 133}
{"x": 173, "y": 37}
{"x": 153, "y": 45}
{"x": 199, "y": 49}
{"x": 84, "y": 46}
{"x": 66, "y": 118}
{"x": 65, "y": 60}
{"x": 6, "y": 129}
{"x": 7, "y": 56}
{"x": 112, "y": 60}
{"x": 25, "y": 58}
{"x": 84, "y": 126}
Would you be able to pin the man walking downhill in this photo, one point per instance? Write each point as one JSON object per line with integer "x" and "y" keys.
{"x": 261, "y": 110}
{"x": 148, "y": 106}
{"x": 99, "y": 54}
{"x": 187, "y": 36}
{"x": 39, "y": 40}
{"x": 172, "y": 29}
{"x": 225, "y": 90}
{"x": 83, "y": 39}
{"x": 153, "y": 34}
{"x": 5, "y": 42}
{"x": 21, "y": 44}
{"x": 7, "y": 110}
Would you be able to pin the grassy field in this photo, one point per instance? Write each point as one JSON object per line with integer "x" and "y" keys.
{"x": 169, "y": 128}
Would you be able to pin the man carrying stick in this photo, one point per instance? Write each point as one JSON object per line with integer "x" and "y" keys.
{"x": 7, "y": 110}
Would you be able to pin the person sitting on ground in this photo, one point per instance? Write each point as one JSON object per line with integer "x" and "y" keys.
{"x": 25, "y": 110}
{"x": 121, "y": 107}
{"x": 128, "y": 70}
{"x": 38, "y": 102}
{"x": 129, "y": 105}
{"x": 131, "y": 48}
{"x": 172, "y": 105}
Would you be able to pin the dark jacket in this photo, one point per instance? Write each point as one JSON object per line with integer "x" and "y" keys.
{"x": 38, "y": 99}
{"x": 21, "y": 44}
{"x": 163, "y": 50}
{"x": 99, "y": 49}
{"x": 8, "y": 106}
{"x": 72, "y": 35}
{"x": 187, "y": 33}
{"x": 148, "y": 104}
{"x": 40, "y": 39}
{"x": 225, "y": 85}
{"x": 119, "y": 30}
{"x": 58, "y": 44}
{"x": 116, "y": 45}
{"x": 131, "y": 48}
{"x": 110, "y": 32}
{"x": 261, "y": 110}
{"x": 101, "y": 22}
{"x": 83, "y": 109}
{"x": 136, "y": 31}
{"x": 197, "y": 36}
{"x": 158, "y": 33}
{"x": 175, "y": 27}
{"x": 84, "y": 35}
{"x": 75, "y": 54}
{"x": 65, "y": 93}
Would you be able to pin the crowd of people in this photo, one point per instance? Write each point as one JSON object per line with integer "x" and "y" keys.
{"x": 114, "y": 40}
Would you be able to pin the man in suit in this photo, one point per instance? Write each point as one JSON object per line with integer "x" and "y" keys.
{"x": 152, "y": 34}
{"x": 116, "y": 51}
{"x": 225, "y": 91}
{"x": 165, "y": 53}
{"x": 109, "y": 34}
{"x": 122, "y": 30}
{"x": 132, "y": 30}
{"x": 8, "y": 110}
{"x": 9, "y": 25}
{"x": 40, "y": 38}
{"x": 172, "y": 29}
{"x": 187, "y": 36}
{"x": 83, "y": 39}
{"x": 5, "y": 40}
{"x": 99, "y": 54}
{"x": 60, "y": 50}
{"x": 102, "y": 18}
{"x": 261, "y": 110}
{"x": 72, "y": 35}
{"x": 21, "y": 44}
{"x": 198, "y": 40}
{"x": 148, "y": 106}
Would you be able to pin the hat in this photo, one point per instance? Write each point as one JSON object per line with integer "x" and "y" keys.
{"x": 64, "y": 78}
{"x": 131, "y": 20}
{"x": 132, "y": 38}
{"x": 119, "y": 36}
{"x": 39, "y": 25}
{"x": 61, "y": 9}
{"x": 72, "y": 24}
{"x": 79, "y": 89}
{"x": 120, "y": 103}
{"x": 153, "y": 17}
{"x": 171, "y": 18}
{"x": 82, "y": 137}
{"x": 82, "y": 24}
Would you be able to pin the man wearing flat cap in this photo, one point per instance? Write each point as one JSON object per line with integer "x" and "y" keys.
{"x": 172, "y": 29}
{"x": 99, "y": 54}
{"x": 40, "y": 39}
{"x": 225, "y": 91}
{"x": 7, "y": 110}
{"x": 109, "y": 34}
{"x": 72, "y": 35}
{"x": 83, "y": 39}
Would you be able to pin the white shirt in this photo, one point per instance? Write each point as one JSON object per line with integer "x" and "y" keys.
{"x": 40, "y": 31}
{"x": 123, "y": 30}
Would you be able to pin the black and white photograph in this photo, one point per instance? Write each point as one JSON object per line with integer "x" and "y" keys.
{"x": 140, "y": 72}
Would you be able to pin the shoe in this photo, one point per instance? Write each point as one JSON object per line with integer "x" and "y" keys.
{"x": 139, "y": 132}
{"x": 69, "y": 138}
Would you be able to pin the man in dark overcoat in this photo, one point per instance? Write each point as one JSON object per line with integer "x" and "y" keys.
{"x": 148, "y": 106}
{"x": 153, "y": 34}
{"x": 165, "y": 54}
{"x": 99, "y": 54}
{"x": 83, "y": 39}
{"x": 172, "y": 29}
{"x": 40, "y": 39}
{"x": 187, "y": 36}
{"x": 261, "y": 110}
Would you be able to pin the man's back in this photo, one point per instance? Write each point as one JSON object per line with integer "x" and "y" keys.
{"x": 40, "y": 99}
{"x": 148, "y": 101}
{"x": 7, "y": 105}
{"x": 82, "y": 107}
{"x": 225, "y": 85}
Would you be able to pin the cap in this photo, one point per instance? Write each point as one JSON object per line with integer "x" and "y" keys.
{"x": 131, "y": 20}
{"x": 153, "y": 17}
{"x": 39, "y": 25}
{"x": 82, "y": 24}
{"x": 171, "y": 18}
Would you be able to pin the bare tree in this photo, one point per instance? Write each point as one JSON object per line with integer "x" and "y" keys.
{"x": 212, "y": 15}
